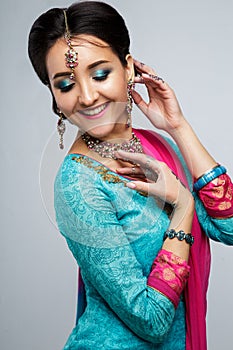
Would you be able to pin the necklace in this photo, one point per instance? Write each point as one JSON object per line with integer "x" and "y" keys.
{"x": 107, "y": 149}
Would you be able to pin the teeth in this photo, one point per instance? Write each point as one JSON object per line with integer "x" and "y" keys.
{"x": 95, "y": 111}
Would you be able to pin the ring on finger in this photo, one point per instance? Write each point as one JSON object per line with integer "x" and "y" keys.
{"x": 156, "y": 77}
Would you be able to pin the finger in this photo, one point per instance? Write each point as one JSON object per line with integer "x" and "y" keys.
{"x": 138, "y": 100}
{"x": 126, "y": 170}
{"x": 151, "y": 79}
{"x": 158, "y": 81}
{"x": 138, "y": 185}
{"x": 139, "y": 80}
{"x": 136, "y": 158}
{"x": 141, "y": 186}
{"x": 137, "y": 172}
{"x": 146, "y": 162}
{"x": 134, "y": 170}
{"x": 142, "y": 67}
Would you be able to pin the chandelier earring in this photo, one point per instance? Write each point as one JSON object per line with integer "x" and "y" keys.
{"x": 129, "y": 106}
{"x": 61, "y": 128}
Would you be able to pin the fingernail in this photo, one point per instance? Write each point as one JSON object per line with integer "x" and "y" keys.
{"x": 130, "y": 185}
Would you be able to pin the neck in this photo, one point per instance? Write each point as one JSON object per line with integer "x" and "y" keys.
{"x": 119, "y": 134}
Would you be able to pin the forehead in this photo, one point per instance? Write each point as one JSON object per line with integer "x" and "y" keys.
{"x": 89, "y": 48}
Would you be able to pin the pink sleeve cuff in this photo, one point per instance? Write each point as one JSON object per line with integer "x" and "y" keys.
{"x": 217, "y": 197}
{"x": 169, "y": 275}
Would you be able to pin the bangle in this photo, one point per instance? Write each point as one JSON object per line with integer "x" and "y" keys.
{"x": 180, "y": 235}
{"x": 208, "y": 177}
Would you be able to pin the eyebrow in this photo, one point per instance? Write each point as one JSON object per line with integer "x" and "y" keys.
{"x": 62, "y": 74}
{"x": 97, "y": 63}
{"x": 92, "y": 65}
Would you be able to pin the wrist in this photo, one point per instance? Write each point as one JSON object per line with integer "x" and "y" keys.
{"x": 182, "y": 129}
{"x": 180, "y": 235}
{"x": 182, "y": 215}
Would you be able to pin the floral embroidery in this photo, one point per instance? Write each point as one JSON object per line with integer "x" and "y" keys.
{"x": 104, "y": 172}
{"x": 169, "y": 275}
{"x": 100, "y": 169}
{"x": 217, "y": 196}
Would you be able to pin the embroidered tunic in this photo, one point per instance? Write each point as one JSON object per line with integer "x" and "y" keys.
{"x": 115, "y": 234}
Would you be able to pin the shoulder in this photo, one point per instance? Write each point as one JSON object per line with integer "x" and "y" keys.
{"x": 81, "y": 169}
{"x": 75, "y": 169}
{"x": 82, "y": 179}
{"x": 75, "y": 180}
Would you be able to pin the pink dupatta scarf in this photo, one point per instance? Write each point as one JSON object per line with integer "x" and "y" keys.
{"x": 196, "y": 288}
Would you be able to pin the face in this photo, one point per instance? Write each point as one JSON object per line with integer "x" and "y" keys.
{"x": 95, "y": 100}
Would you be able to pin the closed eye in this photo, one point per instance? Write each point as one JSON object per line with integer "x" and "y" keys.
{"x": 67, "y": 88}
{"x": 101, "y": 74}
{"x": 64, "y": 85}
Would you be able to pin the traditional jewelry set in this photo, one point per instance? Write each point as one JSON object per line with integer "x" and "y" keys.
{"x": 107, "y": 149}
{"x": 71, "y": 59}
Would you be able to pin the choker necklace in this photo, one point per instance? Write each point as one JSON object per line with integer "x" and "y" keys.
{"x": 107, "y": 149}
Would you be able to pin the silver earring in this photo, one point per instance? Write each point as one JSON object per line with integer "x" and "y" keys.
{"x": 129, "y": 106}
{"x": 61, "y": 128}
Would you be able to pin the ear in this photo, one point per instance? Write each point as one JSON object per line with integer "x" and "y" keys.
{"x": 130, "y": 67}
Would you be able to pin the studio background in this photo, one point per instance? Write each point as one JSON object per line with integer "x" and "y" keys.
{"x": 190, "y": 46}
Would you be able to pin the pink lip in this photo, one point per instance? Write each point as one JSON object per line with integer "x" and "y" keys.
{"x": 96, "y": 116}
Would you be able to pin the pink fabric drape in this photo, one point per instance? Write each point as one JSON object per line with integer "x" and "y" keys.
{"x": 217, "y": 197}
{"x": 196, "y": 288}
{"x": 168, "y": 275}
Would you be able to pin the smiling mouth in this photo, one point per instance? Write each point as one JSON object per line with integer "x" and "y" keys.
{"x": 93, "y": 113}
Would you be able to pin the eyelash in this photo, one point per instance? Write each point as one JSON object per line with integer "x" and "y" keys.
{"x": 102, "y": 77}
{"x": 66, "y": 88}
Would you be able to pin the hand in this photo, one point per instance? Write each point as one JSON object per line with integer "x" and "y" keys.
{"x": 163, "y": 109}
{"x": 161, "y": 181}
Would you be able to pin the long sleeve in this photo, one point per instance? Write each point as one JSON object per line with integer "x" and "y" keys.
{"x": 214, "y": 204}
{"x": 220, "y": 230}
{"x": 217, "y": 228}
{"x": 88, "y": 219}
{"x": 217, "y": 197}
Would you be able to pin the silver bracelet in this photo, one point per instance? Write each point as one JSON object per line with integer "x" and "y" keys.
{"x": 180, "y": 235}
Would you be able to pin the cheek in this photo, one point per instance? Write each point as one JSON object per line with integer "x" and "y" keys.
{"x": 115, "y": 87}
{"x": 65, "y": 103}
{"x": 116, "y": 91}
{"x": 122, "y": 90}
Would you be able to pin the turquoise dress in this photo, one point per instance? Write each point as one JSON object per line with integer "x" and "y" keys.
{"x": 115, "y": 233}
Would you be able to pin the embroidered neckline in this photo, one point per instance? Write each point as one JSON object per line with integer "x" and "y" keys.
{"x": 108, "y": 176}
{"x": 105, "y": 173}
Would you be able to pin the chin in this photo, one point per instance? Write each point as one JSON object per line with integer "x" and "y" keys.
{"x": 102, "y": 132}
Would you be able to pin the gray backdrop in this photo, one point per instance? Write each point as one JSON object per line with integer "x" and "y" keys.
{"x": 190, "y": 45}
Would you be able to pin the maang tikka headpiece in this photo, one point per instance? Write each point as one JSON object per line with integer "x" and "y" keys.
{"x": 71, "y": 56}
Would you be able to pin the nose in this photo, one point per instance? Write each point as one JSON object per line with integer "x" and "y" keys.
{"x": 88, "y": 94}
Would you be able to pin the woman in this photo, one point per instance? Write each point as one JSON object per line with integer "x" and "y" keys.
{"x": 123, "y": 196}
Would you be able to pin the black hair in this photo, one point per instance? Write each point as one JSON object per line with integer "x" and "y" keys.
{"x": 86, "y": 17}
